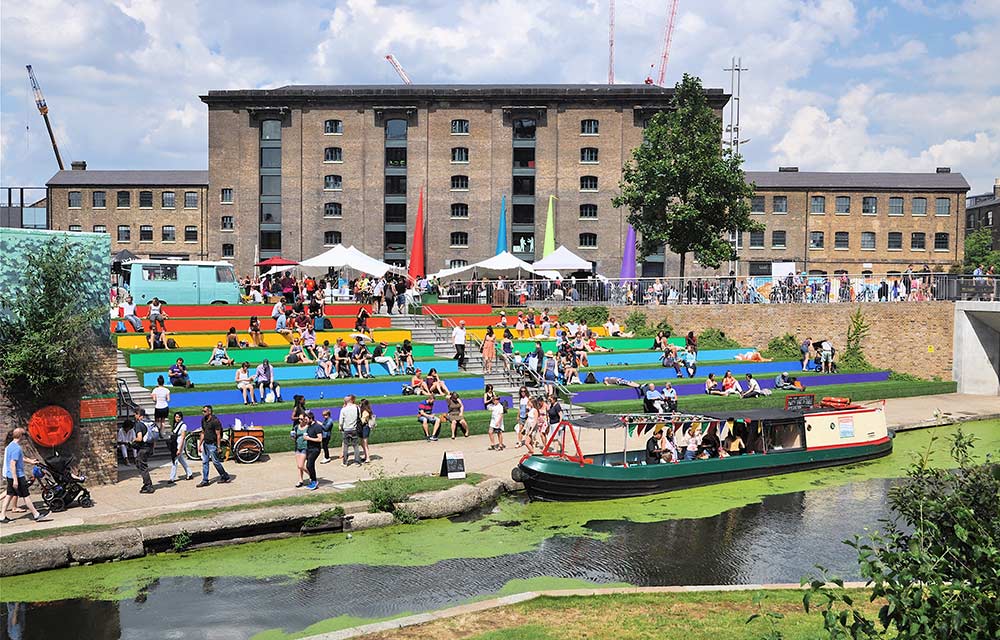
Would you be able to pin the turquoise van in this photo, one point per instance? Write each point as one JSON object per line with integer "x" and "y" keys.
{"x": 181, "y": 282}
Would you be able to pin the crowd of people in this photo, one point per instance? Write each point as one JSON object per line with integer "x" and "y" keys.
{"x": 691, "y": 442}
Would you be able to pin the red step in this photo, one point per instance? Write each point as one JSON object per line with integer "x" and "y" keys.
{"x": 492, "y": 321}
{"x": 244, "y": 310}
{"x": 458, "y": 309}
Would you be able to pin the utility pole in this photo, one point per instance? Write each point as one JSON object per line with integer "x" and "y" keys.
{"x": 735, "y": 70}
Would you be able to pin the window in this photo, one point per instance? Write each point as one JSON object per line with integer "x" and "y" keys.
{"x": 460, "y": 154}
{"x": 777, "y": 239}
{"x": 270, "y": 130}
{"x": 920, "y": 206}
{"x": 100, "y": 228}
{"x": 588, "y": 183}
{"x": 757, "y": 204}
{"x": 588, "y": 240}
{"x": 736, "y": 240}
{"x": 190, "y": 234}
{"x": 868, "y": 240}
{"x": 895, "y": 241}
{"x": 970, "y": 220}
{"x": 228, "y": 250}
{"x": 227, "y": 223}
{"x": 588, "y": 211}
{"x": 168, "y": 233}
{"x": 333, "y": 127}
{"x": 395, "y": 129}
{"x": 270, "y": 185}
{"x": 869, "y": 206}
{"x": 895, "y": 206}
{"x": 270, "y": 240}
{"x": 817, "y": 204}
{"x": 75, "y": 227}
{"x": 524, "y": 128}
{"x": 145, "y": 199}
{"x": 75, "y": 200}
{"x": 270, "y": 158}
{"x": 842, "y": 204}
{"x": 395, "y": 156}
{"x": 942, "y": 207}
{"x": 168, "y": 199}
{"x": 333, "y": 210}
{"x": 841, "y": 240}
{"x": 940, "y": 241}
{"x": 459, "y": 127}
{"x": 459, "y": 210}
{"x": 816, "y": 240}
{"x": 333, "y": 183}
{"x": 523, "y": 186}
{"x": 146, "y": 233}
{"x": 454, "y": 264}
{"x": 190, "y": 199}
{"x": 588, "y": 155}
{"x": 524, "y": 214}
{"x": 333, "y": 154}
{"x": 98, "y": 199}
{"x": 918, "y": 241}
{"x": 395, "y": 185}
{"x": 225, "y": 274}
{"x": 331, "y": 238}
{"x": 395, "y": 213}
{"x": 159, "y": 272}
{"x": 589, "y": 127}
{"x": 460, "y": 183}
{"x": 395, "y": 241}
{"x": 270, "y": 213}
{"x": 124, "y": 233}
{"x": 459, "y": 239}
{"x": 523, "y": 242}
{"x": 124, "y": 199}
{"x": 226, "y": 196}
{"x": 779, "y": 204}
{"x": 988, "y": 219}
{"x": 756, "y": 239}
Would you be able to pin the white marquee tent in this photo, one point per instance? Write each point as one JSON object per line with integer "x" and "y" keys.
{"x": 340, "y": 257}
{"x": 562, "y": 259}
{"x": 504, "y": 263}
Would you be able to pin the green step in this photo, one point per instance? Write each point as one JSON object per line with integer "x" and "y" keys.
{"x": 152, "y": 359}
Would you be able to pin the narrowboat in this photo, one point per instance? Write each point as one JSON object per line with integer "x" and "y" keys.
{"x": 775, "y": 441}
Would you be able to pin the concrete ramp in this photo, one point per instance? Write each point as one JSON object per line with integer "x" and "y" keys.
{"x": 976, "y": 365}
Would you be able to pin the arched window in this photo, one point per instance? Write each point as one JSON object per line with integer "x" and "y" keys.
{"x": 459, "y": 239}
{"x": 588, "y": 183}
{"x": 459, "y": 127}
{"x": 588, "y": 127}
{"x": 333, "y": 183}
{"x": 454, "y": 264}
{"x": 588, "y": 155}
{"x": 460, "y": 183}
{"x": 333, "y": 154}
{"x": 588, "y": 211}
{"x": 333, "y": 127}
{"x": 333, "y": 210}
{"x": 460, "y": 154}
{"x": 588, "y": 240}
{"x": 459, "y": 210}
{"x": 331, "y": 238}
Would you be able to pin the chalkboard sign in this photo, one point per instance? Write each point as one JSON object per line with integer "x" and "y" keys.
{"x": 799, "y": 401}
{"x": 453, "y": 465}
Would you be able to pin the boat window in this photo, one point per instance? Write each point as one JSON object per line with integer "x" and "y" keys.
{"x": 782, "y": 436}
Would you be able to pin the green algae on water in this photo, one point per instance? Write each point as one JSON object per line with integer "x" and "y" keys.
{"x": 513, "y": 527}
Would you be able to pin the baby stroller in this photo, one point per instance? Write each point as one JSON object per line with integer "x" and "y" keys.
{"x": 60, "y": 486}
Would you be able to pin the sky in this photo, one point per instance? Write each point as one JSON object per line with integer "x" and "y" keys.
{"x": 831, "y": 85}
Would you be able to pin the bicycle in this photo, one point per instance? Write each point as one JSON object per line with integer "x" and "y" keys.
{"x": 248, "y": 449}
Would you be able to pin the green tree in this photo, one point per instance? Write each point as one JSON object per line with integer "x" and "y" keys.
{"x": 682, "y": 188}
{"x": 47, "y": 332}
{"x": 979, "y": 250}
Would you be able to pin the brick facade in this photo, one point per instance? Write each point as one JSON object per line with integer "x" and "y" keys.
{"x": 910, "y": 337}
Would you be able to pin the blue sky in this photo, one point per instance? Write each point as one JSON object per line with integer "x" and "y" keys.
{"x": 839, "y": 85}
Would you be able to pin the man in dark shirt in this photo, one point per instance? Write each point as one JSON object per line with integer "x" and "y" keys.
{"x": 314, "y": 442}
{"x": 654, "y": 447}
{"x": 211, "y": 436}
{"x": 143, "y": 444}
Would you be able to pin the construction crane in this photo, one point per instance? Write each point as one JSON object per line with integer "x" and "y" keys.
{"x": 399, "y": 69}
{"x": 611, "y": 42}
{"x": 668, "y": 36}
{"x": 44, "y": 110}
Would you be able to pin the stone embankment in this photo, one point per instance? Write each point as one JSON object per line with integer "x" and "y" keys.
{"x": 125, "y": 543}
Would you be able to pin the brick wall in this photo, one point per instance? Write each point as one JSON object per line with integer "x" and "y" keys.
{"x": 910, "y": 337}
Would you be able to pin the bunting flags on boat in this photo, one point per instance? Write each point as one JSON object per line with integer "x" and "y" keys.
{"x": 639, "y": 424}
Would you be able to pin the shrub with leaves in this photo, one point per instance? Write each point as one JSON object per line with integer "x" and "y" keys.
{"x": 853, "y": 356}
{"x": 590, "y": 316}
{"x": 784, "y": 347}
{"x": 635, "y": 322}
{"x": 936, "y": 566}
{"x": 663, "y": 326}
{"x": 383, "y": 492}
{"x": 715, "y": 339}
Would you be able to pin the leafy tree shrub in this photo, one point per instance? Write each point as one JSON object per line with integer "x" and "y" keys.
{"x": 402, "y": 515}
{"x": 383, "y": 492}
{"x": 663, "y": 326}
{"x": 324, "y": 518}
{"x": 635, "y": 322}
{"x": 784, "y": 347}
{"x": 590, "y": 316}
{"x": 715, "y": 339}
{"x": 853, "y": 356}
{"x": 936, "y": 566}
{"x": 181, "y": 541}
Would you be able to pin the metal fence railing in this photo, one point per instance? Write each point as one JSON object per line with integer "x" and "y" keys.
{"x": 916, "y": 287}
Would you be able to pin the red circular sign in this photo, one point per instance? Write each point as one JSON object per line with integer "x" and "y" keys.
{"x": 50, "y": 426}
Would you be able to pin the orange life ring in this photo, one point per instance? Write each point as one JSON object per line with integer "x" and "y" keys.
{"x": 50, "y": 426}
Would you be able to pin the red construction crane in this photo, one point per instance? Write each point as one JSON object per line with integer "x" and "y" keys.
{"x": 399, "y": 69}
{"x": 668, "y": 36}
{"x": 44, "y": 110}
{"x": 611, "y": 41}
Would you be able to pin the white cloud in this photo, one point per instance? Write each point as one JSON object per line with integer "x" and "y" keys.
{"x": 936, "y": 10}
{"x": 906, "y": 52}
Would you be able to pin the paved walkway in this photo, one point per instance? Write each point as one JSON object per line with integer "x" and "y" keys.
{"x": 275, "y": 476}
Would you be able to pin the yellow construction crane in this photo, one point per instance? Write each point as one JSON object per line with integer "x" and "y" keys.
{"x": 44, "y": 110}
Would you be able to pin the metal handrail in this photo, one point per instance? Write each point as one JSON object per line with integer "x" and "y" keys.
{"x": 125, "y": 400}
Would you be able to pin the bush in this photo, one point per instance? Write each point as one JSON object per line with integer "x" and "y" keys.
{"x": 784, "y": 347}
{"x": 853, "y": 356}
{"x": 383, "y": 492}
{"x": 904, "y": 377}
{"x": 402, "y": 515}
{"x": 181, "y": 541}
{"x": 635, "y": 323}
{"x": 324, "y": 518}
{"x": 715, "y": 339}
{"x": 590, "y": 316}
{"x": 663, "y": 326}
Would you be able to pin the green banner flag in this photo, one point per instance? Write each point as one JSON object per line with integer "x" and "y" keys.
{"x": 549, "y": 244}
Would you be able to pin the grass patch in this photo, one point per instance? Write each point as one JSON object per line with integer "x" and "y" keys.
{"x": 410, "y": 484}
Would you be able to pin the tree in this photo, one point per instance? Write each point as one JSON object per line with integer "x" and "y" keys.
{"x": 47, "y": 326}
{"x": 682, "y": 188}
{"x": 979, "y": 250}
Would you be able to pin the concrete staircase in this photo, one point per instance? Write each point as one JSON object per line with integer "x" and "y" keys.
{"x": 140, "y": 394}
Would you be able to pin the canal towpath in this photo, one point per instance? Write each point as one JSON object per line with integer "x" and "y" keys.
{"x": 275, "y": 476}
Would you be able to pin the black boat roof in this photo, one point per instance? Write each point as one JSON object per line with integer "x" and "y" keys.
{"x": 756, "y": 414}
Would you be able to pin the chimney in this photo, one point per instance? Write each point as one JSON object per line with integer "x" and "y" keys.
{"x": 79, "y": 165}
{"x": 788, "y": 169}
{"x": 996, "y": 188}
{"x": 943, "y": 170}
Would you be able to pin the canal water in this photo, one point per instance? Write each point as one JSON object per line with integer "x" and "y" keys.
{"x": 779, "y": 539}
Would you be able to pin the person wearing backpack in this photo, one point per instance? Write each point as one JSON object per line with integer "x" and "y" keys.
{"x": 350, "y": 423}
{"x": 146, "y": 434}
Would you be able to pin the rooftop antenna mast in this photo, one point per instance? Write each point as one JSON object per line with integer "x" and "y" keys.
{"x": 399, "y": 69}
{"x": 735, "y": 70}
{"x": 44, "y": 110}
{"x": 611, "y": 42}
